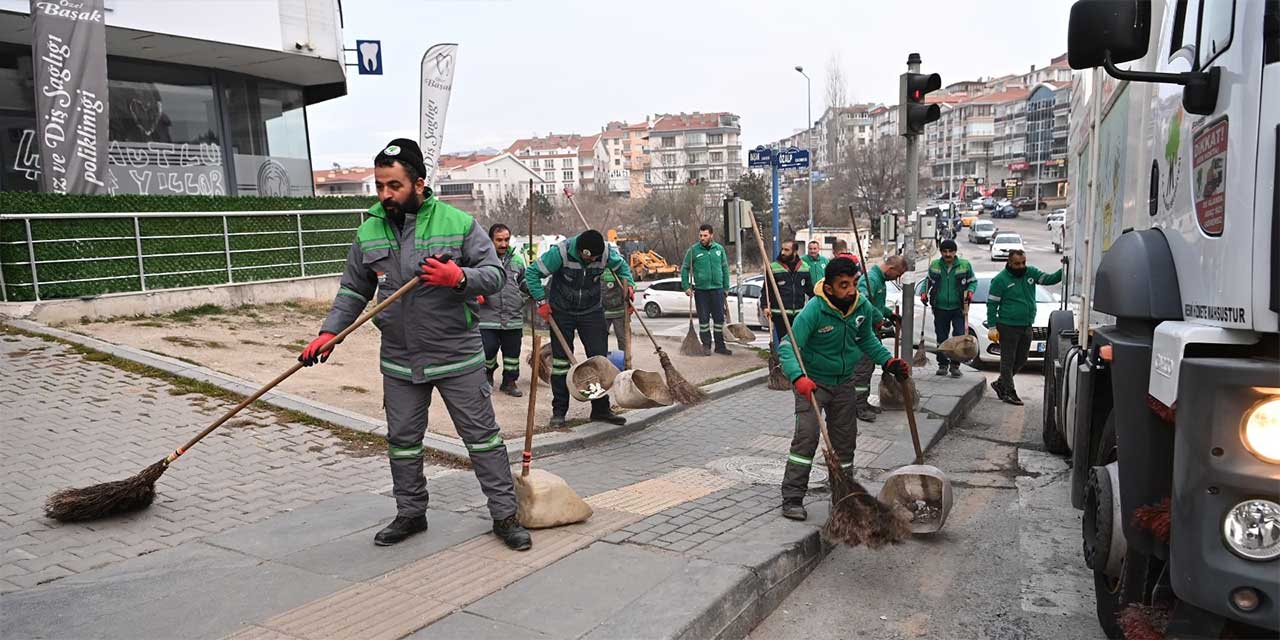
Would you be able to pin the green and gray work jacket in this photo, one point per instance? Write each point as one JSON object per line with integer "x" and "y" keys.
{"x": 430, "y": 332}
{"x": 505, "y": 309}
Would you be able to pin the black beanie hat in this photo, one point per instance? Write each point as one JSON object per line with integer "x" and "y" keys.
{"x": 407, "y": 152}
{"x": 591, "y": 241}
{"x": 948, "y": 245}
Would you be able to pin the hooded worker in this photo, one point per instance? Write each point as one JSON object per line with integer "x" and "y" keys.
{"x": 573, "y": 300}
{"x": 430, "y": 337}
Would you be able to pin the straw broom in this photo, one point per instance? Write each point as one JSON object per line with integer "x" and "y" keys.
{"x": 682, "y": 390}
{"x": 137, "y": 492}
{"x": 691, "y": 345}
{"x": 857, "y": 517}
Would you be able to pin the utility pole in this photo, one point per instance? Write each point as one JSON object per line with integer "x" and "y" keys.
{"x": 915, "y": 115}
{"x": 808, "y": 127}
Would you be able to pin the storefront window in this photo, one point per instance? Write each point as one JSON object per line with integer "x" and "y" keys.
{"x": 19, "y": 153}
{"x": 268, "y": 138}
{"x": 164, "y": 130}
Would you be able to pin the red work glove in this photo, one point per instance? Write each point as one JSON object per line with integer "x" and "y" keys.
{"x": 312, "y": 355}
{"x": 440, "y": 272}
{"x": 544, "y": 310}
{"x": 479, "y": 299}
{"x": 879, "y": 325}
{"x": 924, "y": 297}
{"x": 631, "y": 292}
{"x": 804, "y": 386}
{"x": 898, "y": 368}
{"x": 968, "y": 297}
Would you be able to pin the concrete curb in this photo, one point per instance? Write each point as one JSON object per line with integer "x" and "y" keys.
{"x": 451, "y": 448}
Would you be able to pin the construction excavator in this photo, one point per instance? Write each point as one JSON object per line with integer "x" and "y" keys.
{"x": 645, "y": 264}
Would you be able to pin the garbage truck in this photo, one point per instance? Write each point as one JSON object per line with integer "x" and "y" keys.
{"x": 1162, "y": 381}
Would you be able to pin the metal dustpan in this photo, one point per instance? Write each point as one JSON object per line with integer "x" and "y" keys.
{"x": 962, "y": 348}
{"x": 738, "y": 331}
{"x": 920, "y": 492}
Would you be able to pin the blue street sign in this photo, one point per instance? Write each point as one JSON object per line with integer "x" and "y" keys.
{"x": 369, "y": 57}
{"x": 793, "y": 158}
{"x": 760, "y": 157}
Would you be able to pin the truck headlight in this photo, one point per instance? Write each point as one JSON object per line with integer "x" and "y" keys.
{"x": 1252, "y": 529}
{"x": 1261, "y": 432}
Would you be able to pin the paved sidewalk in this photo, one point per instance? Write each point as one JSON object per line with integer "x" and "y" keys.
{"x": 686, "y": 541}
{"x": 69, "y": 421}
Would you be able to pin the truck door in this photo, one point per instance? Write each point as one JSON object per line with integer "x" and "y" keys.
{"x": 1204, "y": 167}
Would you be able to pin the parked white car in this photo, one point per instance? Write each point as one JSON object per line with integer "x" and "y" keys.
{"x": 981, "y": 231}
{"x": 1003, "y": 243}
{"x": 662, "y": 297}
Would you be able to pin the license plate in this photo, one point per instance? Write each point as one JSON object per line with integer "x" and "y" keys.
{"x": 1038, "y": 346}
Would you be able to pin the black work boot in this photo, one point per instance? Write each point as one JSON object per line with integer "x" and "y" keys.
{"x": 997, "y": 387}
{"x": 516, "y": 536}
{"x": 865, "y": 414}
{"x": 399, "y": 529}
{"x": 611, "y": 418}
{"x": 723, "y": 350}
{"x": 556, "y": 422}
{"x": 942, "y": 370}
{"x": 1011, "y": 397}
{"x": 793, "y": 509}
{"x": 509, "y": 387}
{"x": 955, "y": 370}
{"x": 706, "y": 350}
{"x": 877, "y": 408}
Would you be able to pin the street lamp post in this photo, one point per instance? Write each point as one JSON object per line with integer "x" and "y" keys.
{"x": 808, "y": 119}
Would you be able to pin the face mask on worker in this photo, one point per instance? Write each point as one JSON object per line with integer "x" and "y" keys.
{"x": 841, "y": 292}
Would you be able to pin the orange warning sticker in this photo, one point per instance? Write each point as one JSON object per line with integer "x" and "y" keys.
{"x": 1209, "y": 164}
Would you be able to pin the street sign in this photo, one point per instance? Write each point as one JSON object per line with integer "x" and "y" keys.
{"x": 369, "y": 57}
{"x": 760, "y": 157}
{"x": 793, "y": 158}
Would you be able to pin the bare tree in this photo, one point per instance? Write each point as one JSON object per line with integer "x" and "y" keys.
{"x": 837, "y": 91}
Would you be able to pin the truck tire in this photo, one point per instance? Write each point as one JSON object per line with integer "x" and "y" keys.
{"x": 1096, "y": 527}
{"x": 1054, "y": 441}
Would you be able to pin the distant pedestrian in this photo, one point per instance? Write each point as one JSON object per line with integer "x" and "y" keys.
{"x": 950, "y": 289}
{"x": 833, "y": 332}
{"x": 795, "y": 282}
{"x": 815, "y": 260}
{"x": 1011, "y": 310}
{"x": 501, "y": 315}
{"x": 705, "y": 276}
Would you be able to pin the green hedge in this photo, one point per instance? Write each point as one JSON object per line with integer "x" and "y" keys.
{"x": 105, "y": 248}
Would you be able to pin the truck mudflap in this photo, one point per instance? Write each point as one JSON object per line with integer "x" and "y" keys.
{"x": 1214, "y": 472}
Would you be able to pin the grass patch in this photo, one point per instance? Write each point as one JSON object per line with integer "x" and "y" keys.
{"x": 192, "y": 314}
{"x": 149, "y": 323}
{"x": 356, "y": 443}
{"x": 353, "y": 389}
{"x": 253, "y": 343}
{"x": 194, "y": 343}
{"x": 710, "y": 381}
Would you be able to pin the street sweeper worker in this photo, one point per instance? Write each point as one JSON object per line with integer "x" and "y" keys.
{"x": 833, "y": 333}
{"x": 872, "y": 287}
{"x": 704, "y": 274}
{"x": 573, "y": 298}
{"x": 950, "y": 288}
{"x": 814, "y": 259}
{"x": 795, "y": 282}
{"x": 1011, "y": 309}
{"x": 501, "y": 314}
{"x": 430, "y": 337}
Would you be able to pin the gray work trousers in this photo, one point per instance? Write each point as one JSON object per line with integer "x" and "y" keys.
{"x": 862, "y": 373}
{"x": 838, "y": 405}
{"x": 1015, "y": 343}
{"x": 467, "y": 397}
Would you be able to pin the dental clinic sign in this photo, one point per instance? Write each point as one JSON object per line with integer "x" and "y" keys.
{"x": 70, "y": 53}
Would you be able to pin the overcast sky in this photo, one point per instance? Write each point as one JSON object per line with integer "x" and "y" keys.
{"x": 529, "y": 67}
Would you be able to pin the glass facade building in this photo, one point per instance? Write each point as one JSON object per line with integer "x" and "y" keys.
{"x": 174, "y": 129}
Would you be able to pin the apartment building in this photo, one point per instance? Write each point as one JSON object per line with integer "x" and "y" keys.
{"x": 478, "y": 182}
{"x": 836, "y": 131}
{"x": 586, "y": 161}
{"x": 349, "y": 181}
{"x": 555, "y": 158}
{"x": 622, "y": 158}
{"x": 695, "y": 148}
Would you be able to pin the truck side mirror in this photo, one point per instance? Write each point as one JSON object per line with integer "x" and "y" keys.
{"x": 1100, "y": 26}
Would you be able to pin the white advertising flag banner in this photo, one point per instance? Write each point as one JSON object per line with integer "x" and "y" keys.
{"x": 438, "y": 64}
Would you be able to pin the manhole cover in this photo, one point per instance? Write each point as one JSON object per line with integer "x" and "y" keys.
{"x": 758, "y": 470}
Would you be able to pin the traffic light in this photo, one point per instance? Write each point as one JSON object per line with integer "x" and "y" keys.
{"x": 914, "y": 114}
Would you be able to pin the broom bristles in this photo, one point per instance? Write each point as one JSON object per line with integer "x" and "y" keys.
{"x": 681, "y": 390}
{"x": 1154, "y": 518}
{"x": 691, "y": 345}
{"x": 107, "y": 498}
{"x": 857, "y": 517}
{"x": 777, "y": 379}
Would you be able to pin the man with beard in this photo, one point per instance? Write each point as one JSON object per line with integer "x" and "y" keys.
{"x": 795, "y": 282}
{"x": 573, "y": 299}
{"x": 833, "y": 332}
{"x": 950, "y": 289}
{"x": 1011, "y": 309}
{"x": 502, "y": 315}
{"x": 430, "y": 339}
{"x": 872, "y": 287}
{"x": 705, "y": 276}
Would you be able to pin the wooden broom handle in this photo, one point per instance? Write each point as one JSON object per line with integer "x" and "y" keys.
{"x": 413, "y": 282}
{"x": 564, "y": 344}
{"x": 786, "y": 322}
{"x": 533, "y": 403}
